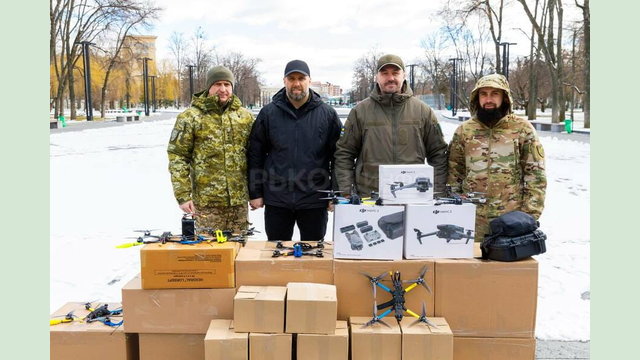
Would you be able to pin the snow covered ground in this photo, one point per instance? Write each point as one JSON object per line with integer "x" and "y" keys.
{"x": 106, "y": 182}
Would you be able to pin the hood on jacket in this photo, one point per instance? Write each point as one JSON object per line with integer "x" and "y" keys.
{"x": 395, "y": 98}
{"x": 497, "y": 81}
{"x": 206, "y": 103}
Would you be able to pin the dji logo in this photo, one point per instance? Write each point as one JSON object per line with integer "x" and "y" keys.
{"x": 444, "y": 211}
{"x": 369, "y": 210}
{"x": 407, "y": 172}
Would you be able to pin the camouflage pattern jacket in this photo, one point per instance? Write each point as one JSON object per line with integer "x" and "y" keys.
{"x": 388, "y": 129}
{"x": 506, "y": 162}
{"x": 207, "y": 153}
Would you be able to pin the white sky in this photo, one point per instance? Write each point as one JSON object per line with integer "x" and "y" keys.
{"x": 329, "y": 35}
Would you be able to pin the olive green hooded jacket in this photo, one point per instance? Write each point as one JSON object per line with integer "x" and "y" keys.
{"x": 207, "y": 152}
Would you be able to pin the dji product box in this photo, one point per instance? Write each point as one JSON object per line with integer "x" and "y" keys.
{"x": 421, "y": 341}
{"x": 439, "y": 231}
{"x": 171, "y": 346}
{"x": 197, "y": 266}
{"x": 270, "y": 346}
{"x": 481, "y": 298}
{"x": 259, "y": 309}
{"x": 406, "y": 184}
{"x": 89, "y": 341}
{"x": 376, "y": 341}
{"x": 321, "y": 347}
{"x": 355, "y": 297}
{"x": 255, "y": 265}
{"x": 368, "y": 232}
{"x": 174, "y": 311}
{"x": 481, "y": 348}
{"x": 222, "y": 342}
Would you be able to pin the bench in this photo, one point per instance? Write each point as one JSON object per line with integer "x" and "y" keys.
{"x": 546, "y": 126}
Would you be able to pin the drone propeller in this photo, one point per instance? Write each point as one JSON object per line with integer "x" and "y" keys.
{"x": 419, "y": 281}
{"x": 146, "y": 232}
{"x": 377, "y": 319}
{"x": 423, "y": 318}
{"x": 67, "y": 318}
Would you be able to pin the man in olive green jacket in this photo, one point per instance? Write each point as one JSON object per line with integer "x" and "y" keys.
{"x": 389, "y": 127}
{"x": 498, "y": 154}
{"x": 207, "y": 155}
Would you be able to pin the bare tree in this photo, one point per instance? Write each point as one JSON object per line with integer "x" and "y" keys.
{"x": 435, "y": 63}
{"x": 201, "y": 56}
{"x": 247, "y": 86}
{"x": 178, "y": 47}
{"x": 364, "y": 74}
{"x": 586, "y": 18}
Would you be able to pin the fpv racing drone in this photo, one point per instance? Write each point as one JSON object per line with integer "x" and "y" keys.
{"x": 447, "y": 231}
{"x": 422, "y": 184}
{"x": 99, "y": 314}
{"x": 299, "y": 249}
{"x": 396, "y": 304}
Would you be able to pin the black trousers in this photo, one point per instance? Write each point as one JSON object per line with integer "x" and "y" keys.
{"x": 279, "y": 223}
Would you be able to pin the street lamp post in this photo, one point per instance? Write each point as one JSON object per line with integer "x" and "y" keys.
{"x": 190, "y": 81}
{"x": 88, "y": 106}
{"x": 411, "y": 77}
{"x": 153, "y": 91}
{"x": 505, "y": 58}
{"x": 145, "y": 80}
{"x": 454, "y": 85}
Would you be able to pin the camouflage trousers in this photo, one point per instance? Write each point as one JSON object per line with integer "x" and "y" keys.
{"x": 482, "y": 228}
{"x": 232, "y": 218}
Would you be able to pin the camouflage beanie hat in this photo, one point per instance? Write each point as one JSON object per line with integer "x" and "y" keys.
{"x": 218, "y": 73}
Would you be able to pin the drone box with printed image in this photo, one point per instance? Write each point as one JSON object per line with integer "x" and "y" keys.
{"x": 439, "y": 231}
{"x": 368, "y": 232}
{"x": 406, "y": 184}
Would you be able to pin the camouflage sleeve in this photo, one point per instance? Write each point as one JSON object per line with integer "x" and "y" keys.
{"x": 533, "y": 171}
{"x": 457, "y": 163}
{"x": 347, "y": 151}
{"x": 180, "y": 152}
{"x": 436, "y": 150}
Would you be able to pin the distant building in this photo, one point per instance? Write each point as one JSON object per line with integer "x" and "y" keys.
{"x": 327, "y": 89}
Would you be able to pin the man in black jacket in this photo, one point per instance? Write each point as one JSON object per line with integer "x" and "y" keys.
{"x": 290, "y": 158}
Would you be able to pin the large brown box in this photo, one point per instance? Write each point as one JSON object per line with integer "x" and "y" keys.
{"x": 424, "y": 342}
{"x": 355, "y": 296}
{"x": 323, "y": 347}
{"x": 487, "y": 298}
{"x": 311, "y": 308}
{"x": 471, "y": 348}
{"x": 375, "y": 342}
{"x": 222, "y": 342}
{"x": 89, "y": 341}
{"x": 256, "y": 266}
{"x": 259, "y": 309}
{"x": 174, "y": 311}
{"x": 197, "y": 266}
{"x": 270, "y": 346}
{"x": 171, "y": 346}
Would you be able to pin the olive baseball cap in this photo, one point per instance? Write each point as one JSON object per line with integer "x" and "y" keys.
{"x": 390, "y": 59}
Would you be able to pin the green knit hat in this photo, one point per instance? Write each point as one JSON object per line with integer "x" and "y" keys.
{"x": 218, "y": 73}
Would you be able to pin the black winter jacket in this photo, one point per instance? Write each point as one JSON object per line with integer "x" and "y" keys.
{"x": 290, "y": 158}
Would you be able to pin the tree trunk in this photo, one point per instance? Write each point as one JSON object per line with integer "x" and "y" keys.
{"x": 72, "y": 97}
{"x": 587, "y": 71}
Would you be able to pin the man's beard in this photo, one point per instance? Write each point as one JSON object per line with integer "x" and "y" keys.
{"x": 490, "y": 117}
{"x": 297, "y": 97}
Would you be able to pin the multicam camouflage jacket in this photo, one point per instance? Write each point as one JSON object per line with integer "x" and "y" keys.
{"x": 506, "y": 162}
{"x": 207, "y": 153}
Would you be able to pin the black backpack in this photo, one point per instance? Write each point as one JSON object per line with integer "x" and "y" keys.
{"x": 514, "y": 236}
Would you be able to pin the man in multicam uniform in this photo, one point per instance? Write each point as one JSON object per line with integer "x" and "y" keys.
{"x": 499, "y": 154}
{"x": 207, "y": 155}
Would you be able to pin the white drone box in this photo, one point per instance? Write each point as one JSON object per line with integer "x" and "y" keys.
{"x": 439, "y": 231}
{"x": 406, "y": 184}
{"x": 368, "y": 232}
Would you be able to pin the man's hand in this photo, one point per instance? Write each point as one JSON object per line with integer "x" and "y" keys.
{"x": 188, "y": 207}
{"x": 256, "y": 203}
{"x": 330, "y": 206}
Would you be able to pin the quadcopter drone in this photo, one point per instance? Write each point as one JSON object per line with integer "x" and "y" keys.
{"x": 396, "y": 304}
{"x": 450, "y": 197}
{"x": 99, "y": 314}
{"x": 447, "y": 231}
{"x": 354, "y": 198}
{"x": 299, "y": 249}
{"x": 422, "y": 184}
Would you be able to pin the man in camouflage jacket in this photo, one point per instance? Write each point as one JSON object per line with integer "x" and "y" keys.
{"x": 207, "y": 155}
{"x": 498, "y": 154}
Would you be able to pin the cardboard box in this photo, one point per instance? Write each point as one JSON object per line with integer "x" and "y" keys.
{"x": 368, "y": 232}
{"x": 321, "y": 347}
{"x": 375, "y": 342}
{"x": 311, "y": 308}
{"x": 198, "y": 266}
{"x": 439, "y": 231}
{"x": 222, "y": 342}
{"x": 423, "y": 342}
{"x": 355, "y": 297}
{"x": 171, "y": 346}
{"x": 406, "y": 184}
{"x": 89, "y": 341}
{"x": 487, "y": 298}
{"x": 255, "y": 266}
{"x": 259, "y": 309}
{"x": 174, "y": 311}
{"x": 270, "y": 346}
{"x": 470, "y": 348}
